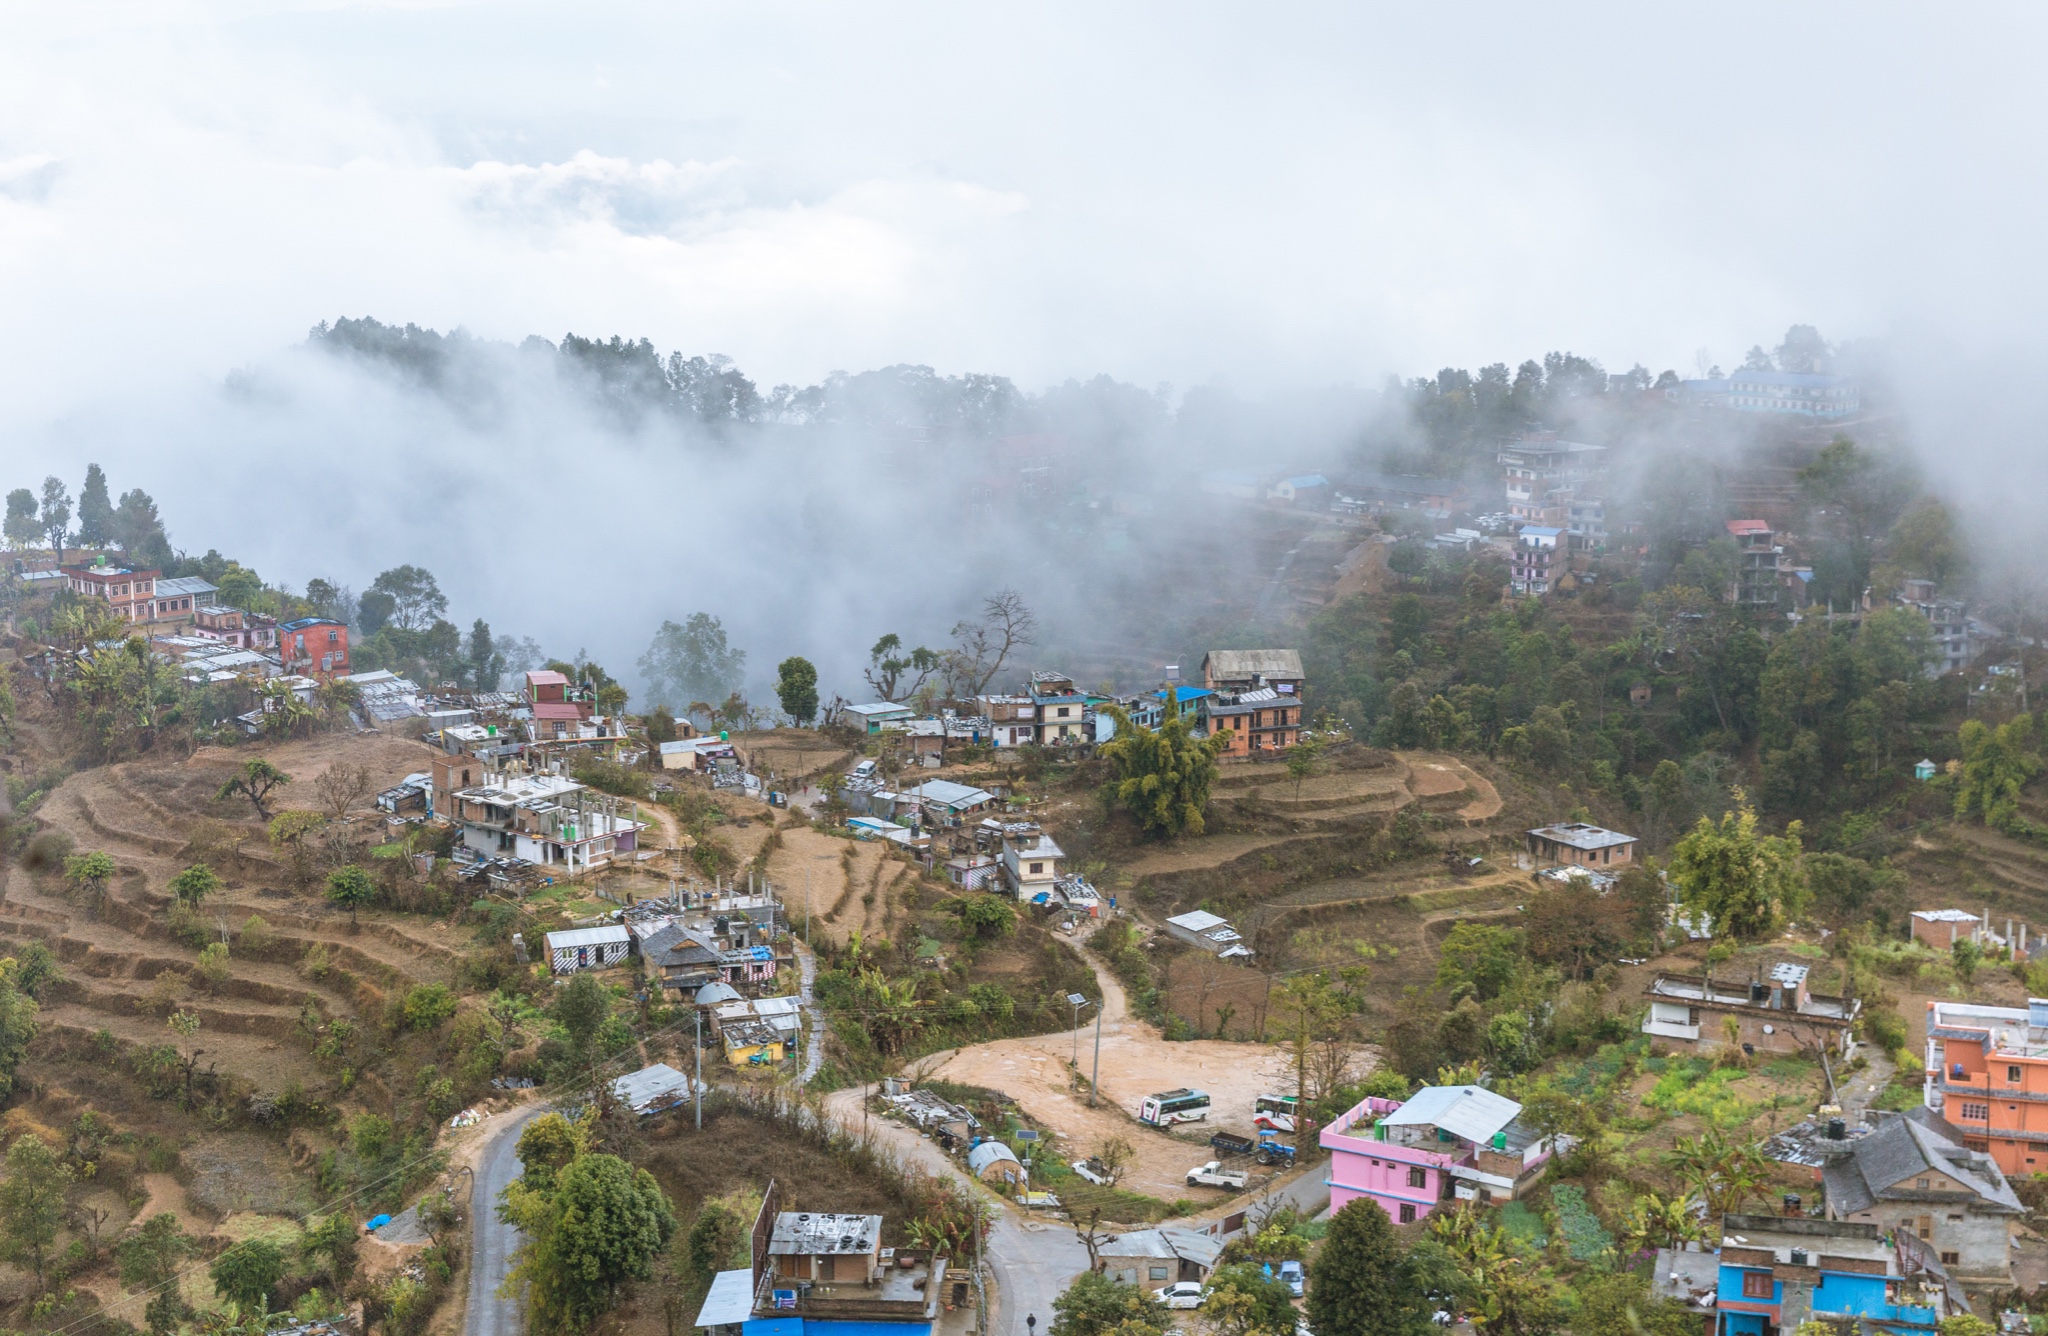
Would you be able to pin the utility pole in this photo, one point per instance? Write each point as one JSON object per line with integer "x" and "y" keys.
{"x": 1096, "y": 1077}
{"x": 697, "y": 1014}
{"x": 980, "y": 1291}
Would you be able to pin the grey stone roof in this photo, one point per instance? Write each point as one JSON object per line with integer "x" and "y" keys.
{"x": 1903, "y": 1146}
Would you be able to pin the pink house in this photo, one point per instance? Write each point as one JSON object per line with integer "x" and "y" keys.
{"x": 1443, "y": 1144}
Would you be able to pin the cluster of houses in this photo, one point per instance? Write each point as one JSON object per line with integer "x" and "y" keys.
{"x": 726, "y": 953}
{"x": 1253, "y": 696}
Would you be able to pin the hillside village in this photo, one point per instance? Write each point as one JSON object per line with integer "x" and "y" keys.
{"x": 1570, "y": 913}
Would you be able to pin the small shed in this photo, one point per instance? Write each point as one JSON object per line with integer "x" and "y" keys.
{"x": 714, "y": 994}
{"x": 729, "y": 1304}
{"x": 993, "y": 1162}
{"x": 1211, "y": 932}
{"x": 588, "y": 948}
{"x": 1925, "y": 770}
{"x": 652, "y": 1089}
{"x": 752, "y": 1042}
{"x": 1639, "y": 694}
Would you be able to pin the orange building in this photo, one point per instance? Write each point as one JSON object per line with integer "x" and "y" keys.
{"x": 1255, "y": 721}
{"x": 1987, "y": 1073}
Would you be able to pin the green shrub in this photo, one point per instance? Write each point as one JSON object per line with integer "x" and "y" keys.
{"x": 428, "y": 1005}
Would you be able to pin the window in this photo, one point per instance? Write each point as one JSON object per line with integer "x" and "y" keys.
{"x": 1920, "y": 1183}
{"x": 1407, "y": 1214}
{"x": 1040, "y": 867}
{"x": 1950, "y": 1259}
{"x": 1156, "y": 1272}
{"x": 2012, "y": 1073}
{"x": 1418, "y": 1177}
{"x": 1976, "y": 1113}
{"x": 1757, "y": 1285}
{"x": 1063, "y": 711}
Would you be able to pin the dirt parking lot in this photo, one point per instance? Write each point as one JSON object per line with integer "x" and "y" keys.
{"x": 1135, "y": 1063}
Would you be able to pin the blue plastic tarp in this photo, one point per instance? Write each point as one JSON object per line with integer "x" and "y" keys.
{"x": 377, "y": 1222}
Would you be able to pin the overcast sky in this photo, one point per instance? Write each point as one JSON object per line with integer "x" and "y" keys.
{"x": 1275, "y": 196}
{"x": 1164, "y": 192}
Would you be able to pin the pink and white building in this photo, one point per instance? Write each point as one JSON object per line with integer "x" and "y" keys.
{"x": 1443, "y": 1144}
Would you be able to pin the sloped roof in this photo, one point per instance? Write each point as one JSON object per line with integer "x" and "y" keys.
{"x": 1469, "y": 1111}
{"x": 988, "y": 1153}
{"x": 607, "y": 936}
{"x": 731, "y": 1300}
{"x": 1233, "y": 663}
{"x": 1198, "y": 920}
{"x": 951, "y": 794}
{"x": 1902, "y": 1147}
{"x": 643, "y": 1089}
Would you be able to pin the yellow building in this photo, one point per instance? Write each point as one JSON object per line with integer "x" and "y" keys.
{"x": 751, "y": 1043}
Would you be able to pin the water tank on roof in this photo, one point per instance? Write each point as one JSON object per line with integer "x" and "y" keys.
{"x": 1838, "y": 1130}
{"x": 1757, "y": 994}
{"x": 2037, "y": 1012}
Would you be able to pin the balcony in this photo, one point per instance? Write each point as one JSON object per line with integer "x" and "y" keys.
{"x": 1671, "y": 1029}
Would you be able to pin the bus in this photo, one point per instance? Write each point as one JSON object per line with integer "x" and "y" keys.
{"x": 1275, "y": 1112}
{"x": 1174, "y": 1106}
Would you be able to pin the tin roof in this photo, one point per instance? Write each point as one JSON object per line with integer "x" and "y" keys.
{"x": 1469, "y": 1111}
{"x": 815, "y": 1234}
{"x": 575, "y": 937}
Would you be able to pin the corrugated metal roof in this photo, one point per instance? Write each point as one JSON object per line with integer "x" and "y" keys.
{"x": 730, "y": 1300}
{"x": 988, "y": 1153}
{"x": 575, "y": 937}
{"x": 1198, "y": 920}
{"x": 1469, "y": 1111}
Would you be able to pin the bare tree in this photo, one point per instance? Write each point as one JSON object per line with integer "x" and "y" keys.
{"x": 1113, "y": 1156}
{"x": 982, "y": 645}
{"x": 1091, "y": 1238}
{"x": 342, "y": 786}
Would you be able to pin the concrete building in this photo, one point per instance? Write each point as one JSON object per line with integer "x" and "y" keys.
{"x": 1577, "y": 844}
{"x": 1210, "y": 932}
{"x": 820, "y": 1274}
{"x": 542, "y": 818}
{"x": 1537, "y": 561}
{"x": 1776, "y": 1272}
{"x": 1258, "y": 722}
{"x": 1030, "y": 860}
{"x": 1441, "y": 1146}
{"x": 875, "y": 717}
{"x": 1913, "y": 1173}
{"x": 1250, "y": 669}
{"x": 1543, "y": 475}
{"x": 1987, "y": 1074}
{"x": 1691, "y": 1013}
{"x": 1764, "y": 577}
{"x": 1152, "y": 1258}
{"x": 588, "y": 948}
{"x": 315, "y": 646}
{"x": 1059, "y": 710}
{"x": 130, "y": 593}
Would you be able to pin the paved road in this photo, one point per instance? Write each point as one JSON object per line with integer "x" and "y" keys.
{"x": 492, "y": 1241}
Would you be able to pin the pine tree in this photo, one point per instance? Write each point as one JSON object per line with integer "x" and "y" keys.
{"x": 1361, "y": 1285}
{"x": 95, "y": 509}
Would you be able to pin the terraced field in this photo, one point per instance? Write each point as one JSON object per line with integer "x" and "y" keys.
{"x": 124, "y": 972}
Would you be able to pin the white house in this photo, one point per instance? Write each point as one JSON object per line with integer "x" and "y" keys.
{"x": 1211, "y": 932}
{"x": 587, "y": 948}
{"x": 880, "y": 715}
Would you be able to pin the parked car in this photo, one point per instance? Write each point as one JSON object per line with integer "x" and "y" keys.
{"x": 1091, "y": 1170}
{"x": 1183, "y": 1294}
{"x": 1292, "y": 1276}
{"x": 1214, "y": 1175}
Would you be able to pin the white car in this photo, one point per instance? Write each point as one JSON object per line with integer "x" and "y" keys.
{"x": 1087, "y": 1170}
{"x": 1185, "y": 1294}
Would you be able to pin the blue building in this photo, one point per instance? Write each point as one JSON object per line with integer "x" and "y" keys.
{"x": 1779, "y": 392}
{"x": 1775, "y": 1272}
{"x": 824, "y": 1274}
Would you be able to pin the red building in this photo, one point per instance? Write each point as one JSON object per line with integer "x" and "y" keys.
{"x": 314, "y": 647}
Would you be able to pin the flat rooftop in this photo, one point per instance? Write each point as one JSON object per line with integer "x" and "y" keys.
{"x": 1685, "y": 988}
